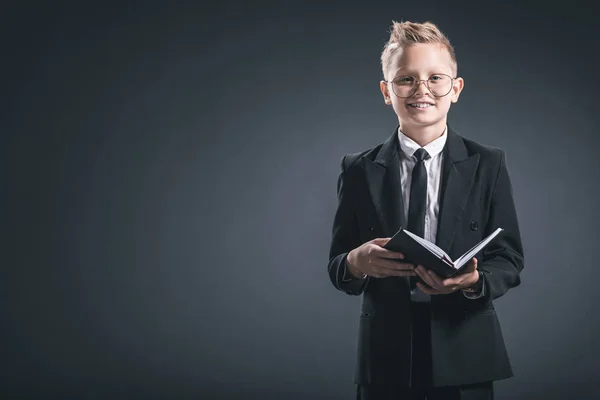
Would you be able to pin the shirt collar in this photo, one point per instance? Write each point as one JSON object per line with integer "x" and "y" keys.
{"x": 434, "y": 147}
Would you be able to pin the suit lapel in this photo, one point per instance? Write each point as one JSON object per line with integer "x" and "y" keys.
{"x": 383, "y": 177}
{"x": 458, "y": 174}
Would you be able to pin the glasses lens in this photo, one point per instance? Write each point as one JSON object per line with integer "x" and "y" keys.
{"x": 439, "y": 85}
{"x": 404, "y": 86}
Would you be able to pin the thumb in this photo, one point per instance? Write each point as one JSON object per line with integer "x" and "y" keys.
{"x": 380, "y": 241}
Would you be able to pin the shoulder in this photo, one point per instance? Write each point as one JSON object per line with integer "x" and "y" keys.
{"x": 485, "y": 151}
{"x": 354, "y": 160}
{"x": 488, "y": 154}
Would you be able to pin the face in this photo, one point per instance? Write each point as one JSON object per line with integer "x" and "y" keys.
{"x": 422, "y": 109}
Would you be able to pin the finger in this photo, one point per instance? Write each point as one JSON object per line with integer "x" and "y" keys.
{"x": 448, "y": 285}
{"x": 470, "y": 267}
{"x": 380, "y": 272}
{"x": 438, "y": 282}
{"x": 474, "y": 263}
{"x": 385, "y": 253}
{"x": 380, "y": 241}
{"x": 394, "y": 271}
{"x": 454, "y": 282}
{"x": 427, "y": 290}
{"x": 464, "y": 273}
{"x": 393, "y": 264}
{"x": 394, "y": 255}
{"x": 375, "y": 251}
{"x": 422, "y": 272}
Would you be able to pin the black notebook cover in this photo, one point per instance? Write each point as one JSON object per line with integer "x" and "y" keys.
{"x": 415, "y": 253}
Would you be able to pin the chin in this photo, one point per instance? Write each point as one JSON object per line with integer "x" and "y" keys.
{"x": 424, "y": 120}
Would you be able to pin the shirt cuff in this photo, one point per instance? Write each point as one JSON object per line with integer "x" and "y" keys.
{"x": 348, "y": 277}
{"x": 475, "y": 295}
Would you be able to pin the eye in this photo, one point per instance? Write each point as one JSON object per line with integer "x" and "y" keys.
{"x": 404, "y": 80}
{"x": 439, "y": 79}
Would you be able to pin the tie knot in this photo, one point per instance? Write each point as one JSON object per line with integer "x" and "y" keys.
{"x": 421, "y": 154}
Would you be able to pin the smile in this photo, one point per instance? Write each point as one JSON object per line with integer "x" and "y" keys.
{"x": 420, "y": 105}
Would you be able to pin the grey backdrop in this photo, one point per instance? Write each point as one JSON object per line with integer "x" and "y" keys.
{"x": 170, "y": 190}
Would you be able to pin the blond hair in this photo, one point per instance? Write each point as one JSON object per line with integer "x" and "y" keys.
{"x": 407, "y": 33}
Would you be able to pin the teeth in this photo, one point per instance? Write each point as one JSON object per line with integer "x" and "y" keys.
{"x": 420, "y": 105}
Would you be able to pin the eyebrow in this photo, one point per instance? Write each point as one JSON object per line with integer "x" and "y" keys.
{"x": 408, "y": 73}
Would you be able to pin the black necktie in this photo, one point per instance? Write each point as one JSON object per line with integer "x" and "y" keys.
{"x": 418, "y": 200}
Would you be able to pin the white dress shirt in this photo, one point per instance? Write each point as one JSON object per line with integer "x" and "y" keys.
{"x": 433, "y": 165}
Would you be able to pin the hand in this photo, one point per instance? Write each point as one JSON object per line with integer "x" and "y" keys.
{"x": 372, "y": 259}
{"x": 436, "y": 285}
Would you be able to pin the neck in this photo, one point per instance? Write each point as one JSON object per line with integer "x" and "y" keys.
{"x": 423, "y": 135}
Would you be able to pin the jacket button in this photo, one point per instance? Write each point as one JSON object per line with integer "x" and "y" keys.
{"x": 474, "y": 225}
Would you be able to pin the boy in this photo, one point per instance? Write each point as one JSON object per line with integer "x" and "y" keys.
{"x": 421, "y": 336}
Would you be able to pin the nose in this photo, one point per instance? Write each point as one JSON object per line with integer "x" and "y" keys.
{"x": 421, "y": 87}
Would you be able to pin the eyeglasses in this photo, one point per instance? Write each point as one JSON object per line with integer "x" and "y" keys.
{"x": 438, "y": 84}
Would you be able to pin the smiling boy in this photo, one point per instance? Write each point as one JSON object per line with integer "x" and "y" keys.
{"x": 421, "y": 336}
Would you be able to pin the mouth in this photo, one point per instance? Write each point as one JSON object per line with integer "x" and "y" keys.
{"x": 420, "y": 105}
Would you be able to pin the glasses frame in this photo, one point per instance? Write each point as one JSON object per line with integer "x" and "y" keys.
{"x": 426, "y": 81}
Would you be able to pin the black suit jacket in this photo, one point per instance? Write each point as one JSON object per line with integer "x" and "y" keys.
{"x": 476, "y": 198}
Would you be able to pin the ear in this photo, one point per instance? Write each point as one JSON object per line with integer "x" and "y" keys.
{"x": 383, "y": 86}
{"x": 457, "y": 87}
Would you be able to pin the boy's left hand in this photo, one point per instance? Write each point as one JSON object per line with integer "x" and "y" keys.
{"x": 467, "y": 278}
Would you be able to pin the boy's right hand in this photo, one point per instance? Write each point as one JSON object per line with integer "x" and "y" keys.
{"x": 372, "y": 259}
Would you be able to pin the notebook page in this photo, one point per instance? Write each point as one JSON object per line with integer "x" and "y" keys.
{"x": 428, "y": 245}
{"x": 467, "y": 256}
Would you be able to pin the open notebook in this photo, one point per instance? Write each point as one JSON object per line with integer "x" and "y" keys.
{"x": 419, "y": 251}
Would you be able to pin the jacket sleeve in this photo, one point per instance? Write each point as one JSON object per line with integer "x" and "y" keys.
{"x": 503, "y": 259}
{"x": 345, "y": 237}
